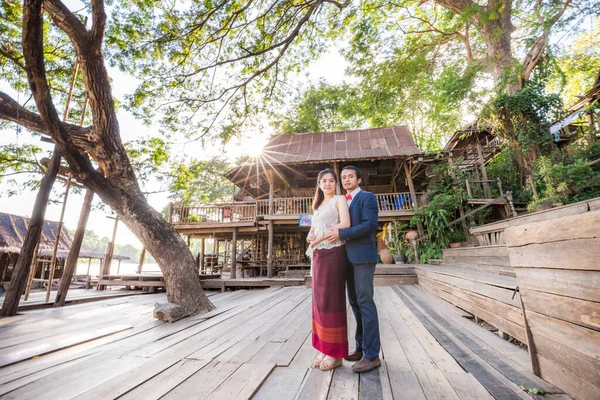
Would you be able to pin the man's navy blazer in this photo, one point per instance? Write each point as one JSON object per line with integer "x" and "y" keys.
{"x": 360, "y": 237}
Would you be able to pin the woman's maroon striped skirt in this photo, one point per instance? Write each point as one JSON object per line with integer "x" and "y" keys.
{"x": 329, "y": 324}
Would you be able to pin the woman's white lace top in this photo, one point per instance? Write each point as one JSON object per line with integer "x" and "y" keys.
{"x": 324, "y": 218}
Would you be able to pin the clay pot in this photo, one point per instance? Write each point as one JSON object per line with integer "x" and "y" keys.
{"x": 385, "y": 256}
{"x": 455, "y": 245}
{"x": 412, "y": 235}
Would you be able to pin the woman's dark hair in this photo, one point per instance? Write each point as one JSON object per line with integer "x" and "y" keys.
{"x": 355, "y": 169}
{"x": 319, "y": 195}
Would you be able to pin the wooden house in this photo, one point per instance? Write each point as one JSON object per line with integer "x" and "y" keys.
{"x": 13, "y": 229}
{"x": 264, "y": 225}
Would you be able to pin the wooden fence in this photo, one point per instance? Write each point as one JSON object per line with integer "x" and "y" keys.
{"x": 248, "y": 211}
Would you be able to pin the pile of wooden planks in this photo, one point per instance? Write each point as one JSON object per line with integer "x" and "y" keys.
{"x": 488, "y": 295}
{"x": 557, "y": 262}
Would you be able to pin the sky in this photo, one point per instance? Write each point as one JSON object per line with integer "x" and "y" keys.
{"x": 329, "y": 67}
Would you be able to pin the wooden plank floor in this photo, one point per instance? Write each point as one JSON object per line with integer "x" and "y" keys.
{"x": 255, "y": 344}
{"x": 37, "y": 299}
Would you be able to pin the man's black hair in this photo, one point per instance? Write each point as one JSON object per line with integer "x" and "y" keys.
{"x": 355, "y": 169}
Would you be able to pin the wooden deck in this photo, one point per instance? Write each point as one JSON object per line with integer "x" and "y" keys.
{"x": 255, "y": 344}
{"x": 74, "y": 296}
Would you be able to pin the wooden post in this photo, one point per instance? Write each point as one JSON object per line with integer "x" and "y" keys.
{"x": 509, "y": 198}
{"x": 271, "y": 191}
{"x": 57, "y": 241}
{"x": 118, "y": 266}
{"x": 171, "y": 213}
{"x": 270, "y": 251}
{"x": 413, "y": 195}
{"x": 461, "y": 210}
{"x": 142, "y": 259}
{"x": 71, "y": 263}
{"x": 535, "y": 364}
{"x": 202, "y": 249}
{"x": 234, "y": 254}
{"x": 486, "y": 185}
{"x": 32, "y": 271}
{"x": 105, "y": 268}
{"x": 469, "y": 193}
{"x": 34, "y": 232}
{"x": 336, "y": 169}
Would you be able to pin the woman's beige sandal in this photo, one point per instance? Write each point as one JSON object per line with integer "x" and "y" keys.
{"x": 327, "y": 364}
{"x": 317, "y": 361}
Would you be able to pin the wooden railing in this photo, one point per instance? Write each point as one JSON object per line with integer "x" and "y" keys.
{"x": 482, "y": 189}
{"x": 396, "y": 201}
{"x": 242, "y": 212}
{"x": 236, "y": 212}
{"x": 286, "y": 206}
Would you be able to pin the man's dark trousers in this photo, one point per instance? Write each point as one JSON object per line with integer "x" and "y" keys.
{"x": 361, "y": 251}
{"x": 360, "y": 296}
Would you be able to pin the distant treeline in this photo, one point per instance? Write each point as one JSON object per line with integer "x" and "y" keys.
{"x": 95, "y": 244}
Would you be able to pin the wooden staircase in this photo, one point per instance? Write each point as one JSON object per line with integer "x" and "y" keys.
{"x": 395, "y": 274}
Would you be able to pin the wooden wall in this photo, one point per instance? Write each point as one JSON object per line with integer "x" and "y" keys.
{"x": 557, "y": 264}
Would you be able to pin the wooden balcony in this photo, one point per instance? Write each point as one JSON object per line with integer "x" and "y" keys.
{"x": 246, "y": 213}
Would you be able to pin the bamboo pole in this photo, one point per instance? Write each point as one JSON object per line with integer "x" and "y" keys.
{"x": 57, "y": 241}
{"x": 32, "y": 270}
{"x": 71, "y": 263}
{"x": 105, "y": 267}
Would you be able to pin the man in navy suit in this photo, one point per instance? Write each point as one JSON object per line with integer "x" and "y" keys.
{"x": 361, "y": 251}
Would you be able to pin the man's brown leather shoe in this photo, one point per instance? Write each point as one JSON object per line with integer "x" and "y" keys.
{"x": 365, "y": 365}
{"x": 354, "y": 356}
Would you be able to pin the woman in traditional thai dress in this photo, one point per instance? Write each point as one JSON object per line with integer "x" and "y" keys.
{"x": 329, "y": 324}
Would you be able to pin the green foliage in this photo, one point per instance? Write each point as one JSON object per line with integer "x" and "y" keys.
{"x": 532, "y": 391}
{"x": 321, "y": 108}
{"x": 200, "y": 181}
{"x": 149, "y": 158}
{"x": 20, "y": 161}
{"x": 446, "y": 197}
{"x": 576, "y": 66}
{"x": 95, "y": 244}
{"x": 504, "y": 166}
{"x": 567, "y": 177}
{"x": 394, "y": 237}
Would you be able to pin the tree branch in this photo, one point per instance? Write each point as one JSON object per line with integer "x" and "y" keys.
{"x": 98, "y": 22}
{"x": 10, "y": 110}
{"x": 36, "y": 74}
{"x": 11, "y": 55}
{"x": 67, "y": 22}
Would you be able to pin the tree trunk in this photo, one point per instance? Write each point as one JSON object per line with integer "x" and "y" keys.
{"x": 71, "y": 263}
{"x": 117, "y": 185}
{"x": 166, "y": 246}
{"x": 34, "y": 232}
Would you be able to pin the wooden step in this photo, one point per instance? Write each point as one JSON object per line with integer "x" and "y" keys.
{"x": 395, "y": 280}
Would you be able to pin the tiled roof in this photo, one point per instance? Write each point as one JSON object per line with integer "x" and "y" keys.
{"x": 358, "y": 144}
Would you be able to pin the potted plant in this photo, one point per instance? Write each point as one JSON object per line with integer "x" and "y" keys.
{"x": 394, "y": 239}
{"x": 456, "y": 237}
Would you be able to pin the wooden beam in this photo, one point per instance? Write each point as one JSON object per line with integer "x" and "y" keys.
{"x": 202, "y": 250}
{"x": 71, "y": 263}
{"x": 413, "y": 195}
{"x": 270, "y": 251}
{"x": 270, "y": 176}
{"x": 336, "y": 169}
{"x": 486, "y": 185}
{"x": 234, "y": 254}
{"x": 105, "y": 266}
